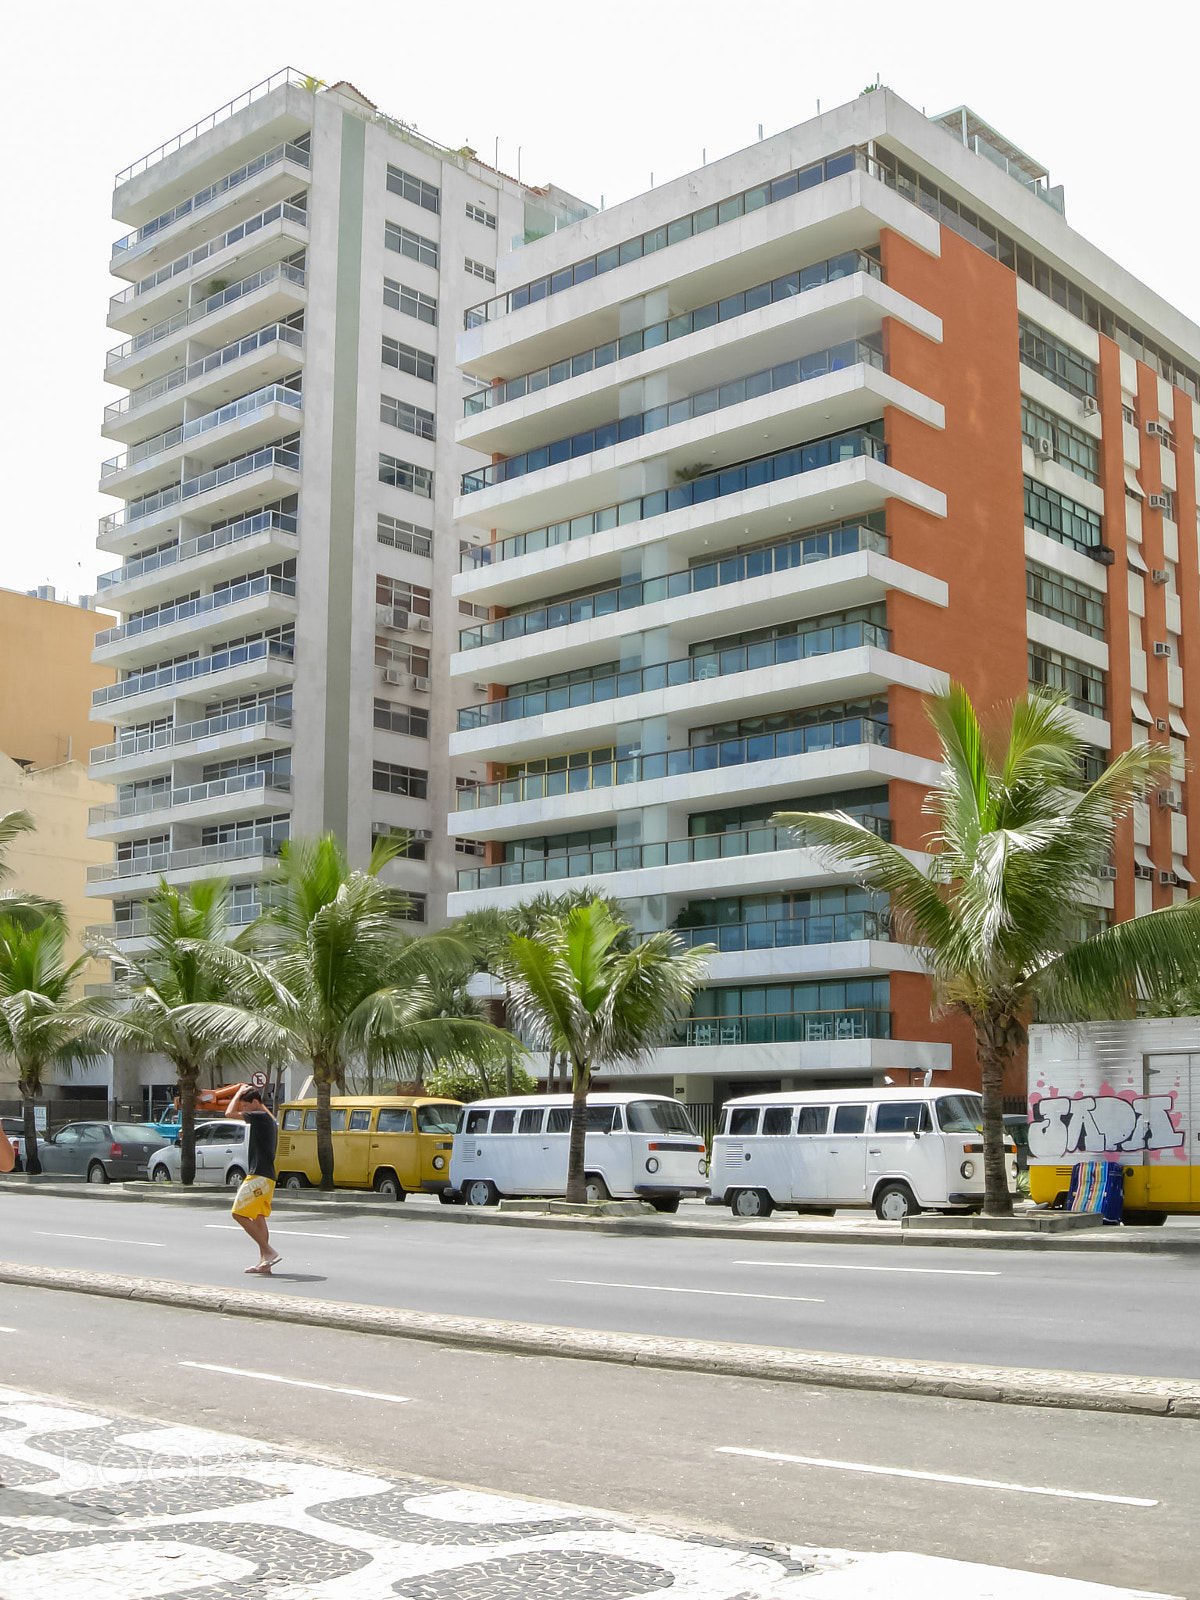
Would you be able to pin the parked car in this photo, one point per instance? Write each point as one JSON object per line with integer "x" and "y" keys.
{"x": 222, "y": 1155}
{"x": 101, "y": 1152}
{"x": 14, "y": 1128}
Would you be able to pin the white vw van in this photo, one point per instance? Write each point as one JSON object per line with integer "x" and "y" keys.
{"x": 638, "y": 1146}
{"x": 900, "y": 1150}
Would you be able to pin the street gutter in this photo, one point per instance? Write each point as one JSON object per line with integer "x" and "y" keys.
{"x": 1077, "y": 1391}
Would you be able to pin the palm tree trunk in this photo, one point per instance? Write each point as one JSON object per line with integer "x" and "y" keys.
{"x": 324, "y": 1125}
{"x": 989, "y": 1030}
{"x": 188, "y": 1078}
{"x": 30, "y": 1153}
{"x": 576, "y": 1157}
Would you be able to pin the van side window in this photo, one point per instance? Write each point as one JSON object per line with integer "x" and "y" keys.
{"x": 599, "y": 1119}
{"x": 902, "y": 1116}
{"x": 337, "y": 1121}
{"x": 777, "y": 1119}
{"x": 812, "y": 1119}
{"x": 503, "y": 1121}
{"x": 743, "y": 1120}
{"x": 291, "y": 1121}
{"x": 392, "y": 1120}
{"x": 477, "y": 1121}
{"x": 558, "y": 1120}
{"x": 310, "y": 1122}
{"x": 723, "y": 1121}
{"x": 850, "y": 1119}
{"x": 360, "y": 1121}
{"x": 531, "y": 1121}
{"x": 618, "y": 1122}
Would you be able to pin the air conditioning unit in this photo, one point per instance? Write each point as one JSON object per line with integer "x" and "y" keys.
{"x": 422, "y": 684}
{"x": 1160, "y": 575}
{"x": 395, "y": 675}
{"x": 1162, "y": 648}
{"x": 1169, "y": 800}
{"x": 1091, "y": 406}
{"x": 1103, "y": 553}
{"x": 1145, "y": 873}
{"x": 1167, "y": 878}
{"x": 1106, "y": 872}
{"x": 480, "y": 688}
{"x": 1160, "y": 502}
{"x": 1159, "y": 430}
{"x": 1044, "y": 448}
{"x": 422, "y": 833}
{"x": 421, "y": 624}
{"x": 1160, "y": 725}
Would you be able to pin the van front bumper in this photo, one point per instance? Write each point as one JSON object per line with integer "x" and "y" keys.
{"x": 670, "y": 1188}
{"x": 434, "y": 1185}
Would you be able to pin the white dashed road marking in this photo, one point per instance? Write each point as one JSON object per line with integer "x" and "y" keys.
{"x": 292, "y": 1233}
{"x": 98, "y": 1238}
{"x": 855, "y": 1266}
{"x": 667, "y": 1288}
{"x": 298, "y": 1383}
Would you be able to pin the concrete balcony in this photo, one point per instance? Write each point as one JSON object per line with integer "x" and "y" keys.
{"x": 260, "y": 603}
{"x": 853, "y": 1059}
{"x": 147, "y": 755}
{"x": 247, "y": 794}
{"x": 260, "y": 540}
{"x": 139, "y": 876}
{"x": 235, "y": 489}
{"x": 241, "y": 426}
{"x": 264, "y": 664}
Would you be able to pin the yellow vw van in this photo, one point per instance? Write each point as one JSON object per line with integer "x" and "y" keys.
{"x": 392, "y": 1143}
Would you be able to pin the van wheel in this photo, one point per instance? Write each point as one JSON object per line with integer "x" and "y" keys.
{"x": 596, "y": 1190}
{"x": 482, "y": 1192}
{"x": 894, "y": 1202}
{"x": 752, "y": 1203}
{"x": 1143, "y": 1219}
{"x": 389, "y": 1186}
{"x": 294, "y": 1181}
{"x": 668, "y": 1203}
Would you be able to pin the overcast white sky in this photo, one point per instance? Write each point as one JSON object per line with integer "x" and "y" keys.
{"x": 597, "y": 95}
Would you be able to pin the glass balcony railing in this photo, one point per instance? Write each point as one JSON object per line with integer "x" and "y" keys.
{"x": 787, "y": 374}
{"x": 205, "y": 855}
{"x": 659, "y": 333}
{"x": 284, "y": 211}
{"x": 816, "y": 641}
{"x": 148, "y": 393}
{"x": 273, "y": 394}
{"x": 203, "y": 606}
{"x": 629, "y": 596}
{"x": 216, "y": 539}
{"x": 835, "y": 928}
{"x": 164, "y": 798}
{"x": 675, "y": 763}
{"x": 632, "y": 857}
{"x": 205, "y": 197}
{"x": 801, "y": 1027}
{"x": 276, "y": 721}
{"x": 280, "y": 272}
{"x": 139, "y": 927}
{"x": 711, "y": 486}
{"x": 183, "y": 672}
{"x": 228, "y": 472}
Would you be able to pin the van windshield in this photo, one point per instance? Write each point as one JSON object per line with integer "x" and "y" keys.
{"x": 960, "y": 1113}
{"x": 658, "y": 1116}
{"x": 437, "y": 1119}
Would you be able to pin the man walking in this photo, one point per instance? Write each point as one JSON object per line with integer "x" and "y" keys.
{"x": 252, "y": 1203}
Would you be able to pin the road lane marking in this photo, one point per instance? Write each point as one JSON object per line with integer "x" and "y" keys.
{"x": 667, "y": 1288}
{"x": 294, "y": 1233}
{"x": 97, "y": 1238}
{"x": 298, "y": 1383}
{"x": 8, "y": 1330}
{"x": 932, "y": 1477}
{"x": 856, "y": 1266}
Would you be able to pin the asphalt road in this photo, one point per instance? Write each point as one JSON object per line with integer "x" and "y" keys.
{"x": 1123, "y": 1314}
{"x": 649, "y": 1443}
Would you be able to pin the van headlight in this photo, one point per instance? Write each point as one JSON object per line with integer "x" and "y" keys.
{"x": 967, "y": 1169}
{"x": 438, "y": 1163}
{"x": 1012, "y": 1170}
{"x": 651, "y": 1163}
{"x": 702, "y": 1166}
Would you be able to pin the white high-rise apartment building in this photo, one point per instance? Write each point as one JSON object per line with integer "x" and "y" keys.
{"x": 297, "y": 269}
{"x": 777, "y": 447}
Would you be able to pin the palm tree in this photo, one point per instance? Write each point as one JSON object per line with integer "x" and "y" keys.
{"x": 330, "y": 978}
{"x": 584, "y": 987}
{"x": 15, "y": 906}
{"x": 997, "y": 911}
{"x": 39, "y": 1025}
{"x": 162, "y": 995}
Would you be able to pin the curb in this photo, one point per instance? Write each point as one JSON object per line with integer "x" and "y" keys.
{"x": 1093, "y": 1241}
{"x": 1076, "y": 1391}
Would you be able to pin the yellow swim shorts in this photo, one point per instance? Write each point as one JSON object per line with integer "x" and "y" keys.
{"x": 253, "y": 1198}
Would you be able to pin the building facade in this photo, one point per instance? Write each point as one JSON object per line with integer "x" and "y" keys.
{"x": 289, "y": 295}
{"x": 778, "y": 447}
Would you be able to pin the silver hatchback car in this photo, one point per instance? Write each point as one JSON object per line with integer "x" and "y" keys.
{"x": 222, "y": 1155}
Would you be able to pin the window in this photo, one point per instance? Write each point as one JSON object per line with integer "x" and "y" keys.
{"x": 410, "y": 908}
{"x": 388, "y": 653}
{"x": 1129, "y": 415}
{"x": 393, "y": 1121}
{"x": 404, "y": 475}
{"x": 415, "y": 189}
{"x": 1082, "y": 683}
{"x": 902, "y": 1116}
{"x": 1066, "y": 600}
{"x": 1072, "y": 448}
{"x": 337, "y": 1121}
{"x": 408, "y": 418}
{"x": 393, "y": 718}
{"x": 849, "y": 1119}
{"x": 360, "y": 1121}
{"x": 558, "y": 1119}
{"x": 478, "y": 269}
{"x": 960, "y": 1113}
{"x": 407, "y": 358}
{"x": 1056, "y": 360}
{"x": 409, "y": 244}
{"x": 401, "y": 595}
{"x": 812, "y": 1119}
{"x": 658, "y": 1116}
{"x": 470, "y": 847}
{"x": 414, "y": 850}
{"x": 777, "y": 1119}
{"x": 531, "y": 1121}
{"x": 291, "y": 1121}
{"x": 400, "y": 535}
{"x": 743, "y": 1120}
{"x": 476, "y": 613}
{"x": 388, "y": 778}
{"x": 478, "y": 214}
{"x": 411, "y": 301}
{"x": 1058, "y": 518}
{"x": 600, "y": 1119}
{"x": 310, "y": 1122}
{"x": 437, "y": 1119}
{"x": 503, "y": 1121}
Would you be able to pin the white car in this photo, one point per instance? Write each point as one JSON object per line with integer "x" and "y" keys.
{"x": 222, "y": 1155}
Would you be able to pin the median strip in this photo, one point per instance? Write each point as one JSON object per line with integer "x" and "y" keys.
{"x": 1080, "y": 1391}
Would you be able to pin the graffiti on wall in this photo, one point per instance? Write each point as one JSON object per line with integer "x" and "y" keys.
{"x": 1062, "y": 1126}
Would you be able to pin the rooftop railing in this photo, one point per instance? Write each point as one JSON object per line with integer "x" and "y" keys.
{"x": 177, "y": 554}
{"x": 273, "y": 394}
{"x": 711, "y": 486}
{"x": 277, "y": 720}
{"x": 279, "y": 271}
{"x": 149, "y": 392}
{"x": 283, "y": 210}
{"x": 228, "y": 472}
{"x": 674, "y": 763}
{"x": 787, "y": 374}
{"x": 165, "y": 799}
{"x": 214, "y": 118}
{"x": 204, "y": 605}
{"x": 205, "y": 855}
{"x": 798, "y": 1027}
{"x": 181, "y": 672}
{"x": 736, "y": 568}
{"x": 632, "y": 344}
